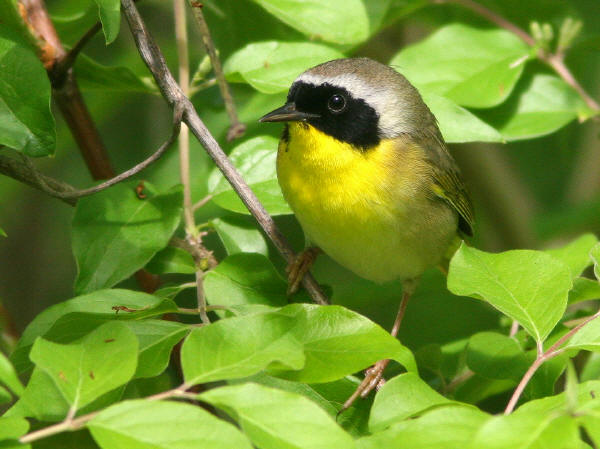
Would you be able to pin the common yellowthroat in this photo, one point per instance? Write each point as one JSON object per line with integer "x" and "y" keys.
{"x": 365, "y": 169}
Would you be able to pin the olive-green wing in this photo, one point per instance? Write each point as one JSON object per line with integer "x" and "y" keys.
{"x": 447, "y": 182}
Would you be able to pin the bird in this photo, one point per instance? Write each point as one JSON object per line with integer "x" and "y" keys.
{"x": 365, "y": 169}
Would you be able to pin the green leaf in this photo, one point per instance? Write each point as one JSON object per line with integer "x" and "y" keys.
{"x": 9, "y": 377}
{"x": 255, "y": 160}
{"x": 239, "y": 347}
{"x": 275, "y": 419}
{"x": 12, "y": 428}
{"x": 328, "y": 332}
{"x": 245, "y": 278}
{"x": 99, "y": 304}
{"x": 300, "y": 342}
{"x": 576, "y": 255}
{"x": 584, "y": 289}
{"x": 110, "y": 16}
{"x": 271, "y": 67}
{"x": 473, "y": 67}
{"x": 2, "y": 233}
{"x": 456, "y": 123}
{"x": 142, "y": 424}
{"x": 531, "y": 287}
{"x": 156, "y": 341}
{"x": 94, "y": 76}
{"x": 527, "y": 430}
{"x": 402, "y": 397}
{"x": 116, "y": 233}
{"x": 496, "y": 356}
{"x": 172, "y": 260}
{"x": 239, "y": 235}
{"x": 337, "y": 21}
{"x": 26, "y": 121}
{"x": 329, "y": 396}
{"x": 104, "y": 360}
{"x": 541, "y": 105}
{"x": 449, "y": 427}
{"x": 595, "y": 255}
{"x": 588, "y": 337}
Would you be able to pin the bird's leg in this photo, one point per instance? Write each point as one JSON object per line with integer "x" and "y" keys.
{"x": 299, "y": 267}
{"x": 374, "y": 375}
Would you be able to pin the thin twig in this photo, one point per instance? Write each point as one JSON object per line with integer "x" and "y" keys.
{"x": 22, "y": 172}
{"x": 77, "y": 423}
{"x": 550, "y": 353}
{"x": 237, "y": 129}
{"x": 202, "y": 202}
{"x": 68, "y": 60}
{"x": 554, "y": 60}
{"x": 42, "y": 183}
{"x": 172, "y": 93}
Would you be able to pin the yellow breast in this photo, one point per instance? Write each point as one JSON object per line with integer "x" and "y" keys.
{"x": 366, "y": 209}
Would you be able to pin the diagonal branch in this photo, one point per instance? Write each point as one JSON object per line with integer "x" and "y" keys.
{"x": 170, "y": 90}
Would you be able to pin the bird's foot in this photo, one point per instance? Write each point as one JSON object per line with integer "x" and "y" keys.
{"x": 373, "y": 380}
{"x": 299, "y": 267}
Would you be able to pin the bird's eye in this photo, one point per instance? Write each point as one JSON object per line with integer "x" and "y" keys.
{"x": 336, "y": 103}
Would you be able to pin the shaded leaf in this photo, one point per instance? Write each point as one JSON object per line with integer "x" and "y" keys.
{"x": 471, "y": 66}
{"x": 172, "y": 260}
{"x": 99, "y": 304}
{"x": 104, "y": 360}
{"x": 255, "y": 160}
{"x": 402, "y": 397}
{"x": 496, "y": 356}
{"x": 142, "y": 424}
{"x": 274, "y": 419}
{"x": 110, "y": 16}
{"x": 584, "y": 289}
{"x": 245, "y": 278}
{"x": 456, "y": 123}
{"x": 239, "y": 235}
{"x": 92, "y": 75}
{"x": 271, "y": 67}
{"x": 338, "y": 21}
{"x": 116, "y": 233}
{"x": 156, "y": 341}
{"x": 540, "y": 105}
{"x": 529, "y": 286}
{"x": 9, "y": 377}
{"x": 26, "y": 121}
{"x": 576, "y": 255}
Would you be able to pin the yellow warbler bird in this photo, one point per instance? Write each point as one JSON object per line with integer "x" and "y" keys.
{"x": 365, "y": 169}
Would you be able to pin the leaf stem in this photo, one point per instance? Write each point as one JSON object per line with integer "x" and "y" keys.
{"x": 550, "y": 353}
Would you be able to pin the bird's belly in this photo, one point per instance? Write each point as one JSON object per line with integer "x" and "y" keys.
{"x": 366, "y": 214}
{"x": 372, "y": 243}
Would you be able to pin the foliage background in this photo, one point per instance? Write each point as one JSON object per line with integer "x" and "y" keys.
{"x": 531, "y": 193}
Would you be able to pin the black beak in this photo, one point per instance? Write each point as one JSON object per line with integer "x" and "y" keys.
{"x": 287, "y": 113}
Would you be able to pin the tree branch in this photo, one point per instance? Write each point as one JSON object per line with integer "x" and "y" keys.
{"x": 550, "y": 353}
{"x": 237, "y": 129}
{"x": 173, "y": 94}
